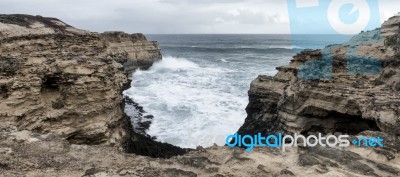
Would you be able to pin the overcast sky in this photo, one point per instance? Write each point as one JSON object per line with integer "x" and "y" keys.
{"x": 171, "y": 16}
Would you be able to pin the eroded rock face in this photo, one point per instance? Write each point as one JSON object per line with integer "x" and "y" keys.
{"x": 349, "y": 102}
{"x": 58, "y": 79}
{"x": 346, "y": 99}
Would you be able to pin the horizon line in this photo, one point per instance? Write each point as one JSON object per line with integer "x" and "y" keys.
{"x": 240, "y": 34}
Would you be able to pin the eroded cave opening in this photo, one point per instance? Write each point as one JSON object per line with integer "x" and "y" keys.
{"x": 4, "y": 91}
{"x": 51, "y": 83}
{"x": 338, "y": 122}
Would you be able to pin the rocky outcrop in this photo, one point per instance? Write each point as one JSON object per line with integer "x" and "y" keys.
{"x": 351, "y": 88}
{"x": 68, "y": 82}
{"x": 353, "y": 99}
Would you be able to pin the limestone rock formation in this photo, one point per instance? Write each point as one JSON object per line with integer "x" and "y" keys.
{"x": 351, "y": 88}
{"x": 350, "y": 101}
{"x": 57, "y": 79}
{"x": 356, "y": 97}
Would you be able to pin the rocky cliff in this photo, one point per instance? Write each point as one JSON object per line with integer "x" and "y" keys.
{"x": 351, "y": 88}
{"x": 56, "y": 79}
{"x": 357, "y": 96}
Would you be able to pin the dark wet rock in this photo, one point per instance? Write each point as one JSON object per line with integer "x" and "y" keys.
{"x": 4, "y": 166}
{"x": 389, "y": 155}
{"x": 144, "y": 145}
{"x": 178, "y": 172}
{"x": 8, "y": 66}
{"x": 308, "y": 160}
{"x": 397, "y": 87}
{"x": 335, "y": 154}
{"x": 141, "y": 120}
{"x": 27, "y": 20}
{"x": 287, "y": 172}
{"x": 322, "y": 170}
{"x": 197, "y": 162}
{"x": 361, "y": 168}
{"x": 331, "y": 164}
{"x": 218, "y": 175}
{"x": 149, "y": 172}
{"x": 212, "y": 169}
{"x": 91, "y": 171}
{"x": 263, "y": 169}
{"x": 57, "y": 104}
{"x": 388, "y": 169}
{"x": 350, "y": 160}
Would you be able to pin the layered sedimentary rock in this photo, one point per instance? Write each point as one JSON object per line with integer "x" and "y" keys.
{"x": 357, "y": 92}
{"x": 356, "y": 97}
{"x": 61, "y": 108}
{"x": 57, "y": 79}
{"x": 351, "y": 88}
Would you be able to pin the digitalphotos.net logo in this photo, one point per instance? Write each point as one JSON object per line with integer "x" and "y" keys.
{"x": 338, "y": 17}
{"x": 286, "y": 141}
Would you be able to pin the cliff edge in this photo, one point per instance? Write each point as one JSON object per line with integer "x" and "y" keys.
{"x": 66, "y": 82}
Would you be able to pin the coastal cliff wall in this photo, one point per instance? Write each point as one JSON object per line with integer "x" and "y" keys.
{"x": 57, "y": 79}
{"x": 351, "y": 101}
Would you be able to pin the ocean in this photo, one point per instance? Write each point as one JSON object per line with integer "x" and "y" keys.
{"x": 197, "y": 94}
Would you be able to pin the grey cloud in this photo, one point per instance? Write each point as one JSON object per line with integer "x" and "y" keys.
{"x": 246, "y": 16}
{"x": 200, "y": 1}
{"x": 168, "y": 16}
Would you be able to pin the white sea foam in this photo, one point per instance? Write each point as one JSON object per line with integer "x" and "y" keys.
{"x": 200, "y": 98}
{"x": 191, "y": 105}
{"x": 223, "y": 60}
{"x": 173, "y": 64}
{"x": 284, "y": 47}
{"x": 195, "y": 101}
